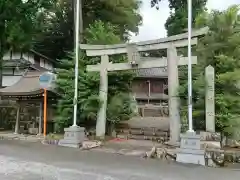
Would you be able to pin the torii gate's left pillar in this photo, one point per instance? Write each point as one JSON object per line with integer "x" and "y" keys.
{"x": 103, "y": 95}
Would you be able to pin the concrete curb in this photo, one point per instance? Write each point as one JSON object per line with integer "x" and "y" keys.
{"x": 28, "y": 139}
{"x": 49, "y": 142}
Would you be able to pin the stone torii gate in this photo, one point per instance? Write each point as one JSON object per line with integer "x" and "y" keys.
{"x": 135, "y": 62}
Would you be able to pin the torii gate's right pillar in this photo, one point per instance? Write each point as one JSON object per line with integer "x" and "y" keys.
{"x": 173, "y": 102}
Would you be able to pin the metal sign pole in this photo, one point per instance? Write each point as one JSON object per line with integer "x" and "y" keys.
{"x": 46, "y": 82}
{"x": 45, "y": 113}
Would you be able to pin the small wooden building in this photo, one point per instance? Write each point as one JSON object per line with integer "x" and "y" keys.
{"x": 21, "y": 73}
{"x": 28, "y": 98}
{"x": 150, "y": 88}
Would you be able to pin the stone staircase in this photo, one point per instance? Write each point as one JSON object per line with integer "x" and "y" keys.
{"x": 153, "y": 111}
{"x": 145, "y": 128}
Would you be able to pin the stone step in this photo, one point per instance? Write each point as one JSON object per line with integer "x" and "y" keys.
{"x": 155, "y": 112}
{"x": 161, "y": 123}
{"x": 146, "y": 132}
{"x": 143, "y": 137}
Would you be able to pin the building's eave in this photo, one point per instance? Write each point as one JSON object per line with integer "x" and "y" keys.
{"x": 43, "y": 56}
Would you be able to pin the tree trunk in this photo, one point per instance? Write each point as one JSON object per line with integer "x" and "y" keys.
{"x": 111, "y": 129}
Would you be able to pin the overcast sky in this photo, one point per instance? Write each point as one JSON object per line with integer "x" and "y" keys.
{"x": 154, "y": 20}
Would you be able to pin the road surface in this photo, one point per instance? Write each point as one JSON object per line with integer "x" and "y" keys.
{"x": 34, "y": 161}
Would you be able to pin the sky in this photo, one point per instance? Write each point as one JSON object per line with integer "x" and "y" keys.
{"x": 154, "y": 20}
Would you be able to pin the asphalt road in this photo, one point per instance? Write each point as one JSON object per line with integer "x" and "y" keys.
{"x": 34, "y": 161}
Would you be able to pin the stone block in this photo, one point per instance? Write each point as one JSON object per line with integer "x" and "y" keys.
{"x": 232, "y": 143}
{"x": 214, "y": 159}
{"x": 86, "y": 145}
{"x": 210, "y": 136}
{"x": 210, "y": 145}
{"x": 190, "y": 149}
{"x": 33, "y": 131}
{"x": 190, "y": 141}
{"x": 191, "y": 156}
{"x": 73, "y": 137}
{"x": 166, "y": 154}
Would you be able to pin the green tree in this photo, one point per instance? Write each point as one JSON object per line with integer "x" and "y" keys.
{"x": 20, "y": 22}
{"x": 59, "y": 35}
{"x": 120, "y": 108}
{"x": 88, "y": 98}
{"x": 219, "y": 48}
{"x": 88, "y": 102}
{"x": 177, "y": 21}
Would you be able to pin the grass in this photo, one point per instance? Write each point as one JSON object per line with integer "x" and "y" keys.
{"x": 53, "y": 136}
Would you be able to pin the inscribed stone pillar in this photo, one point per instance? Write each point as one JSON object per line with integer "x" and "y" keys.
{"x": 17, "y": 120}
{"x": 209, "y": 99}
{"x": 173, "y": 102}
{"x": 103, "y": 93}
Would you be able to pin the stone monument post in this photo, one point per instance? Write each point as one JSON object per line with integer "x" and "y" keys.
{"x": 209, "y": 99}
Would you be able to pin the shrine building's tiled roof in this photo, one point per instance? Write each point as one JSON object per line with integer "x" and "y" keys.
{"x": 28, "y": 85}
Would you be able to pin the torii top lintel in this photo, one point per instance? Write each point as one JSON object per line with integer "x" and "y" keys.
{"x": 179, "y": 40}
